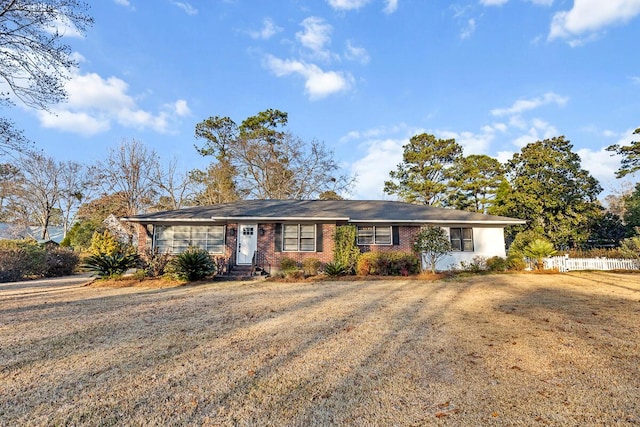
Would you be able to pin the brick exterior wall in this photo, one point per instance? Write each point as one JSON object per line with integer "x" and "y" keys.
{"x": 407, "y": 234}
{"x": 266, "y": 243}
{"x": 144, "y": 241}
{"x": 267, "y": 246}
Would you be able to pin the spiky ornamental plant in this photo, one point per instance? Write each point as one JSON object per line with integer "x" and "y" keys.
{"x": 539, "y": 249}
{"x": 192, "y": 264}
{"x": 105, "y": 266}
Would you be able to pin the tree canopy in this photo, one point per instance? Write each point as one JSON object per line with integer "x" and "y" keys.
{"x": 548, "y": 188}
{"x": 423, "y": 174}
{"x": 630, "y": 156}
{"x": 474, "y": 182}
{"x": 260, "y": 159}
{"x": 34, "y": 62}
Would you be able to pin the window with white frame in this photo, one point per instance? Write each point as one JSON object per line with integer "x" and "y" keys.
{"x": 461, "y": 239}
{"x": 374, "y": 235}
{"x": 174, "y": 239}
{"x": 299, "y": 237}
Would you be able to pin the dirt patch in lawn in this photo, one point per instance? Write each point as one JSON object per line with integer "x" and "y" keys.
{"x": 486, "y": 350}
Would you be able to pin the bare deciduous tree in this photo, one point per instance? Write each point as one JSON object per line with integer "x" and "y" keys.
{"x": 128, "y": 171}
{"x": 263, "y": 161}
{"x": 176, "y": 188}
{"x": 34, "y": 63}
{"x": 40, "y": 188}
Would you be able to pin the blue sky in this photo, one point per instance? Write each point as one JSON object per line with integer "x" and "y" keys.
{"x": 361, "y": 75}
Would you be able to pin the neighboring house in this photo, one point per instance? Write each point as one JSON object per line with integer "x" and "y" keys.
{"x": 118, "y": 230}
{"x": 8, "y": 231}
{"x": 269, "y": 230}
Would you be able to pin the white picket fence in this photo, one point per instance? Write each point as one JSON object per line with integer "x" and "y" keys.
{"x": 564, "y": 263}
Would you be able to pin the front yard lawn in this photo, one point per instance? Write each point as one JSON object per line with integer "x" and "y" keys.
{"x": 486, "y": 350}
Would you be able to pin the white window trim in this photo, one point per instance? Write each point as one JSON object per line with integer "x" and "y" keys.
{"x": 299, "y": 237}
{"x": 374, "y": 235}
{"x": 473, "y": 243}
{"x": 172, "y": 250}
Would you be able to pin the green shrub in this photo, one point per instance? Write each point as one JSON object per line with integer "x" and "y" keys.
{"x": 287, "y": 264}
{"x": 20, "y": 259}
{"x": 12, "y": 262}
{"x": 79, "y": 235}
{"x": 515, "y": 262}
{"x": 366, "y": 263}
{"x": 311, "y": 266}
{"x": 496, "y": 263}
{"x": 387, "y": 264}
{"x": 106, "y": 266}
{"x": 335, "y": 269}
{"x": 192, "y": 264}
{"x": 345, "y": 250}
{"x": 61, "y": 262}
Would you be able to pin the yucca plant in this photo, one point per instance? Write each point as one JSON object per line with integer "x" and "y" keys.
{"x": 192, "y": 264}
{"x": 103, "y": 265}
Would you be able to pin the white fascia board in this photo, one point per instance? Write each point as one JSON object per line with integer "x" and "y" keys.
{"x": 276, "y": 219}
{"x": 438, "y": 221}
{"x": 237, "y": 219}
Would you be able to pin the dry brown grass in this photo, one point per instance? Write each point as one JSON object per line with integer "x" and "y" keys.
{"x": 484, "y": 350}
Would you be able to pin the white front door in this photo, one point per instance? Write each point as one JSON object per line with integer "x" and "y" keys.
{"x": 247, "y": 242}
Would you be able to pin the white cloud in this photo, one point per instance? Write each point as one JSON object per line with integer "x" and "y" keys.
{"x": 538, "y": 130}
{"x": 372, "y": 170}
{"x": 501, "y": 2}
{"x": 493, "y": 2}
{"x": 589, "y": 16}
{"x": 378, "y": 132}
{"x": 186, "y": 7}
{"x": 356, "y": 53}
{"x": 391, "y": 6}
{"x": 77, "y": 122}
{"x": 469, "y": 29}
{"x": 472, "y": 143}
{"x": 318, "y": 83}
{"x": 315, "y": 36}
{"x": 523, "y": 105}
{"x": 600, "y": 164}
{"x": 504, "y": 156}
{"x": 347, "y": 4}
{"x": 95, "y": 103}
{"x": 268, "y": 30}
{"x": 123, "y": 2}
{"x": 542, "y": 2}
{"x": 635, "y": 80}
{"x": 181, "y": 108}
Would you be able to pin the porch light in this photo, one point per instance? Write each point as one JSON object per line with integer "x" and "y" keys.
{"x": 261, "y": 231}
{"x": 232, "y": 231}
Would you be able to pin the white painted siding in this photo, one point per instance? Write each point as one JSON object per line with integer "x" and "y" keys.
{"x": 487, "y": 242}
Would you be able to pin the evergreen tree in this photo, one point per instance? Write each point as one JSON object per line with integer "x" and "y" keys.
{"x": 549, "y": 189}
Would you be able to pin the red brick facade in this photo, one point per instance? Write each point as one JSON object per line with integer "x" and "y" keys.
{"x": 406, "y": 237}
{"x": 266, "y": 243}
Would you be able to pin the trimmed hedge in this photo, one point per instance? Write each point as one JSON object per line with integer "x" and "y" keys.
{"x": 387, "y": 264}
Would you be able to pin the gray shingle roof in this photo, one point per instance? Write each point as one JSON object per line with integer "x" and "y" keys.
{"x": 361, "y": 211}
